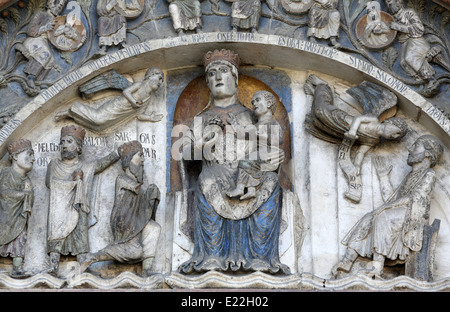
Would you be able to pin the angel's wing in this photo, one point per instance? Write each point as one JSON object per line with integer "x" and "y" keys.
{"x": 374, "y": 98}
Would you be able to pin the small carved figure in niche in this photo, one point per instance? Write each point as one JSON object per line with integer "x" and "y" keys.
{"x": 230, "y": 234}
{"x": 324, "y": 21}
{"x": 135, "y": 233}
{"x": 133, "y": 102}
{"x": 376, "y": 29}
{"x": 296, "y": 7}
{"x": 416, "y": 53}
{"x": 186, "y": 15}
{"x": 328, "y": 122}
{"x": 16, "y": 201}
{"x": 395, "y": 231}
{"x": 36, "y": 48}
{"x": 245, "y": 14}
{"x": 269, "y": 138}
{"x": 69, "y": 33}
{"x": 112, "y": 22}
{"x": 70, "y": 181}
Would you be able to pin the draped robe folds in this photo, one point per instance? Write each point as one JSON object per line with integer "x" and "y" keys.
{"x": 323, "y": 22}
{"x": 330, "y": 123}
{"x": 396, "y": 228}
{"x": 246, "y": 13}
{"x": 132, "y": 212}
{"x": 112, "y": 111}
{"x": 415, "y": 47}
{"x": 230, "y": 234}
{"x": 186, "y": 14}
{"x": 36, "y": 48}
{"x": 69, "y": 207}
{"x": 112, "y": 26}
{"x": 15, "y": 206}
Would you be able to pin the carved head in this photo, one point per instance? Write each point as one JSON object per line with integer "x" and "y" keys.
{"x": 71, "y": 141}
{"x": 221, "y": 68}
{"x": 373, "y": 10}
{"x": 132, "y": 157}
{"x": 263, "y": 101}
{"x": 155, "y": 76}
{"x": 21, "y": 154}
{"x": 56, "y": 6}
{"x": 394, "y": 5}
{"x": 394, "y": 128}
{"x": 426, "y": 146}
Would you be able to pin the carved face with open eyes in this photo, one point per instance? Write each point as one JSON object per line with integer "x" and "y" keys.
{"x": 70, "y": 148}
{"x": 24, "y": 160}
{"x": 221, "y": 81}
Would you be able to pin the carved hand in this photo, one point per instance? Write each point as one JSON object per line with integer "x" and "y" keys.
{"x": 27, "y": 187}
{"x": 383, "y": 170}
{"x": 77, "y": 175}
{"x": 351, "y": 134}
{"x": 216, "y": 120}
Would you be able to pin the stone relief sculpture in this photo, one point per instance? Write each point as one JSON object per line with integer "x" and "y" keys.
{"x": 69, "y": 33}
{"x": 373, "y": 29}
{"x": 332, "y": 124}
{"x": 70, "y": 181}
{"x": 135, "y": 233}
{"x": 112, "y": 21}
{"x": 269, "y": 138}
{"x": 36, "y": 48}
{"x": 296, "y": 6}
{"x": 324, "y": 21}
{"x": 16, "y": 201}
{"x": 186, "y": 15}
{"x": 133, "y": 102}
{"x": 397, "y": 230}
{"x": 416, "y": 53}
{"x": 245, "y": 14}
{"x": 230, "y": 234}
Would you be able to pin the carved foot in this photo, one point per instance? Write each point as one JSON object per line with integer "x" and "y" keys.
{"x": 342, "y": 266}
{"x": 86, "y": 261}
{"x": 238, "y": 191}
{"x": 19, "y": 273}
{"x": 375, "y": 271}
{"x": 251, "y": 192}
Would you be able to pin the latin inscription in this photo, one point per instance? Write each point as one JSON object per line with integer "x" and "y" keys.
{"x": 45, "y": 151}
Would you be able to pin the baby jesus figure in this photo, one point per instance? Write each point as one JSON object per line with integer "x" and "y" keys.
{"x": 269, "y": 155}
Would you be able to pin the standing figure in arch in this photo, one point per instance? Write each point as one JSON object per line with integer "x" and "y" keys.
{"x": 186, "y": 15}
{"x": 70, "y": 181}
{"x": 112, "y": 21}
{"x": 16, "y": 200}
{"x": 229, "y": 233}
{"x": 324, "y": 21}
{"x": 395, "y": 230}
{"x": 135, "y": 233}
{"x": 245, "y": 14}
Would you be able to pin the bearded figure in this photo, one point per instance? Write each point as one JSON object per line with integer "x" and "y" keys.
{"x": 70, "y": 181}
{"x": 135, "y": 232}
{"x": 395, "y": 231}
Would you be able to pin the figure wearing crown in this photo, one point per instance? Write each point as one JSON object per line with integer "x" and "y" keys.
{"x": 230, "y": 234}
{"x": 70, "y": 180}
